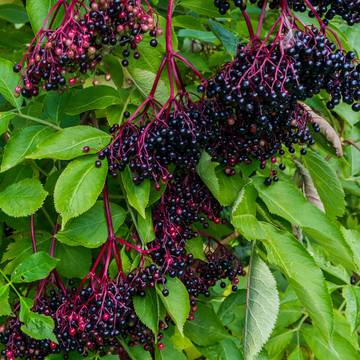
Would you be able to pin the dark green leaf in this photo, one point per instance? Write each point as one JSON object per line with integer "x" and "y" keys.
{"x": 96, "y": 97}
{"x": 5, "y": 118}
{"x": 5, "y": 308}
{"x": 206, "y": 322}
{"x": 228, "y": 39}
{"x": 69, "y": 143}
{"x": 298, "y": 266}
{"x": 327, "y": 184}
{"x": 78, "y": 187}
{"x": 22, "y": 198}
{"x": 8, "y": 82}
{"x": 74, "y": 262}
{"x": 286, "y": 201}
{"x": 77, "y": 232}
{"x": 36, "y": 267}
{"x": 337, "y": 348}
{"x": 147, "y": 309}
{"x": 136, "y": 352}
{"x": 20, "y": 249}
{"x": 145, "y": 227}
{"x": 22, "y": 143}
{"x": 224, "y": 188}
{"x": 351, "y": 295}
{"x": 137, "y": 195}
{"x": 177, "y": 303}
{"x": 36, "y": 325}
{"x": 195, "y": 247}
{"x": 224, "y": 350}
{"x": 13, "y": 13}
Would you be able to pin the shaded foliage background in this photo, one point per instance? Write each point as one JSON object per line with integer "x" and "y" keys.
{"x": 299, "y": 239}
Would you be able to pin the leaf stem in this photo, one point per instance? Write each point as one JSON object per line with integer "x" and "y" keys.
{"x": 9, "y": 282}
{"x": 37, "y": 120}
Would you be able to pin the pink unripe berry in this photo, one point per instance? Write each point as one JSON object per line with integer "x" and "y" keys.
{"x": 58, "y": 51}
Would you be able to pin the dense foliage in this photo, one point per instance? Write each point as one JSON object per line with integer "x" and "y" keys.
{"x": 180, "y": 179}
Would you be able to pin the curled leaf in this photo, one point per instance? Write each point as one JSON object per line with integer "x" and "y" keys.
{"x": 325, "y": 128}
{"x": 309, "y": 188}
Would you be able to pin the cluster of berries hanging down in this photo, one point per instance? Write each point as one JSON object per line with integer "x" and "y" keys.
{"x": 348, "y": 10}
{"x": 57, "y": 58}
{"x": 251, "y": 110}
{"x": 95, "y": 314}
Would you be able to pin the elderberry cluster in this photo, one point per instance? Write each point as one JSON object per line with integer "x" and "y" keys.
{"x": 93, "y": 317}
{"x": 254, "y": 99}
{"x": 348, "y": 10}
{"x": 79, "y": 44}
{"x": 185, "y": 202}
{"x": 88, "y": 319}
{"x": 149, "y": 149}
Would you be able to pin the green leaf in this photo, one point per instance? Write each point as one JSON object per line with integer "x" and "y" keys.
{"x": 5, "y": 308}
{"x": 37, "y": 326}
{"x": 224, "y": 350}
{"x": 201, "y": 7}
{"x": 351, "y": 295}
{"x": 143, "y": 80}
{"x": 78, "y": 187}
{"x": 68, "y": 143}
{"x": 337, "y": 348}
{"x": 13, "y": 13}
{"x": 285, "y": 200}
{"x": 245, "y": 204}
{"x": 228, "y": 39}
{"x": 206, "y": 322}
{"x": 262, "y": 307}
{"x": 352, "y": 239}
{"x": 69, "y": 265}
{"x": 195, "y": 247}
{"x": 147, "y": 309}
{"x": 8, "y": 82}
{"x": 20, "y": 249}
{"x": 224, "y": 188}
{"x": 169, "y": 351}
{"x": 22, "y": 198}
{"x": 297, "y": 354}
{"x": 5, "y": 118}
{"x": 177, "y": 303}
{"x": 327, "y": 184}
{"x": 145, "y": 227}
{"x": 96, "y": 97}
{"x": 137, "y": 195}
{"x": 232, "y": 311}
{"x": 37, "y": 11}
{"x": 77, "y": 232}
{"x": 136, "y": 352}
{"x": 114, "y": 67}
{"x": 204, "y": 36}
{"x": 277, "y": 345}
{"x": 298, "y": 266}
{"x": 22, "y": 143}
{"x": 36, "y": 267}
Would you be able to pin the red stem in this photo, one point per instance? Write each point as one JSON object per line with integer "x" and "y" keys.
{"x": 261, "y": 19}
{"x": 248, "y": 24}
